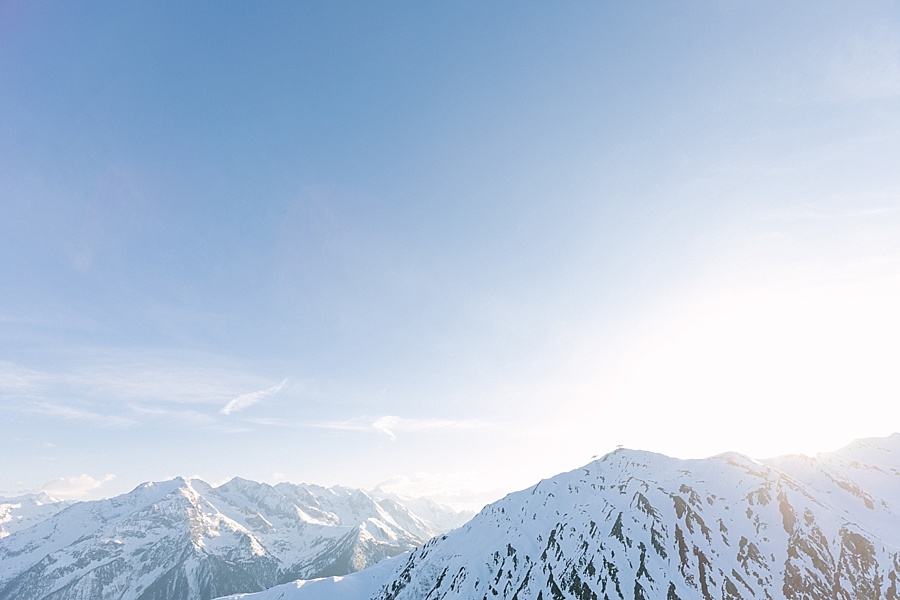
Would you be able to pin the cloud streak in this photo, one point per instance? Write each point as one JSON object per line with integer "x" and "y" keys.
{"x": 387, "y": 425}
{"x": 69, "y": 412}
{"x": 137, "y": 378}
{"x": 188, "y": 417}
{"x": 247, "y": 400}
{"x": 106, "y": 393}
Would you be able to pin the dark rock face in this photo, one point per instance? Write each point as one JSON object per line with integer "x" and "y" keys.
{"x": 637, "y": 525}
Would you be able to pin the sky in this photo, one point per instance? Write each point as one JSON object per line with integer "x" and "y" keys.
{"x": 441, "y": 248}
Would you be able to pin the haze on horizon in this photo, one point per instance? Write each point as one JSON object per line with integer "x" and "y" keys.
{"x": 445, "y": 249}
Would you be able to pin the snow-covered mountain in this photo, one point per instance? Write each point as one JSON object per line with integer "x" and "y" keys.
{"x": 639, "y": 525}
{"x": 24, "y": 511}
{"x": 186, "y": 540}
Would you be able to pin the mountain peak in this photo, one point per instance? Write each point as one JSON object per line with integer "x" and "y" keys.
{"x": 182, "y": 539}
{"x": 636, "y": 524}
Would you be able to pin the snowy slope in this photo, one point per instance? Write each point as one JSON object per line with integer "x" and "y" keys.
{"x": 185, "y": 540}
{"x": 641, "y": 525}
{"x": 24, "y": 511}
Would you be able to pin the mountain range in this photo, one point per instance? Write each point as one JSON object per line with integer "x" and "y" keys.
{"x": 184, "y": 539}
{"x": 638, "y": 525}
{"x": 21, "y": 512}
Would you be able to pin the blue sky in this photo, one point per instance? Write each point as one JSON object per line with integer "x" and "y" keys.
{"x": 446, "y": 248}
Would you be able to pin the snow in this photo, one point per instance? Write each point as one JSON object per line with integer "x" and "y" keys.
{"x": 117, "y": 548}
{"x": 640, "y": 524}
{"x": 356, "y": 586}
{"x": 630, "y": 524}
{"x": 21, "y": 512}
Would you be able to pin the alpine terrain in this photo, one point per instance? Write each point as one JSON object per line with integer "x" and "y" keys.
{"x": 638, "y": 525}
{"x": 186, "y": 540}
{"x": 24, "y": 511}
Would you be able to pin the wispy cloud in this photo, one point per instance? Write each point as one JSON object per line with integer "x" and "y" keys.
{"x": 246, "y": 400}
{"x": 184, "y": 416}
{"x": 108, "y": 392}
{"x": 76, "y": 486}
{"x": 20, "y": 380}
{"x": 137, "y": 377}
{"x": 158, "y": 381}
{"x": 70, "y": 412}
{"x": 388, "y": 425}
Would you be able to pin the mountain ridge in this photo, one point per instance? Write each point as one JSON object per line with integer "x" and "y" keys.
{"x": 636, "y": 524}
{"x": 183, "y": 539}
{"x": 24, "y": 510}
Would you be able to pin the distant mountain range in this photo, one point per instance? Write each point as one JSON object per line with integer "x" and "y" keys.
{"x": 643, "y": 526}
{"x": 186, "y": 540}
{"x": 24, "y": 511}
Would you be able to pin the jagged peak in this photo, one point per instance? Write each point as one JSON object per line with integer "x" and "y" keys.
{"x": 240, "y": 481}
{"x": 245, "y": 486}
{"x": 183, "y": 527}
{"x": 633, "y": 456}
{"x": 37, "y": 498}
{"x": 165, "y": 486}
{"x": 722, "y": 526}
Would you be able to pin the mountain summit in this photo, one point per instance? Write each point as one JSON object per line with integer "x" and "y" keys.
{"x": 186, "y": 540}
{"x": 638, "y": 525}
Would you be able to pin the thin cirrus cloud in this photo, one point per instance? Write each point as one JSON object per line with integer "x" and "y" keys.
{"x": 388, "y": 425}
{"x": 106, "y": 394}
{"x": 159, "y": 381}
{"x": 68, "y": 412}
{"x": 244, "y": 401}
{"x": 136, "y": 377}
{"x": 17, "y": 380}
{"x": 193, "y": 417}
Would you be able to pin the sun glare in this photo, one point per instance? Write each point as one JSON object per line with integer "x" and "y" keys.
{"x": 768, "y": 371}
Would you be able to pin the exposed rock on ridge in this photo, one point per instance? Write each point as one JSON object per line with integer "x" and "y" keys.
{"x": 638, "y": 525}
